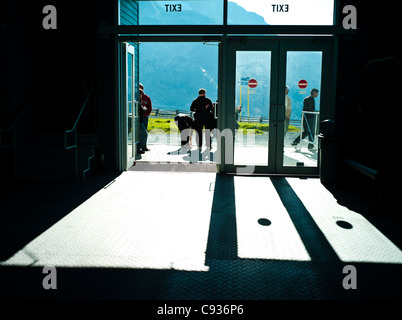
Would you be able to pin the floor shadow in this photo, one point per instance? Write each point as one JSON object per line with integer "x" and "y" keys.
{"x": 196, "y": 155}
{"x": 228, "y": 277}
{"x": 222, "y": 237}
{"x": 179, "y": 151}
{"x": 359, "y": 194}
{"x": 314, "y": 240}
{"x": 28, "y": 208}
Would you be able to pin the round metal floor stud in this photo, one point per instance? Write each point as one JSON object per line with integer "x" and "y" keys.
{"x": 344, "y": 224}
{"x": 264, "y": 222}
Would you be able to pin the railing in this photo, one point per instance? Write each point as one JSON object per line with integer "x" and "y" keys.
{"x": 75, "y": 145}
{"x": 313, "y": 136}
{"x": 13, "y": 123}
{"x": 164, "y": 113}
{"x": 19, "y": 113}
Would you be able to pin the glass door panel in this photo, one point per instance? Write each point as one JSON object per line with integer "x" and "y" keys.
{"x": 276, "y": 130}
{"x": 252, "y": 101}
{"x": 130, "y": 112}
{"x": 302, "y": 119}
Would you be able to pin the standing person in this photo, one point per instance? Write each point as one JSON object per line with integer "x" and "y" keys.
{"x": 308, "y": 121}
{"x": 146, "y": 106}
{"x": 237, "y": 112}
{"x": 202, "y": 108}
{"x": 212, "y": 121}
{"x": 288, "y": 110}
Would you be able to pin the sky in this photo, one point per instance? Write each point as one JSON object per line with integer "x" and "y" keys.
{"x": 300, "y": 12}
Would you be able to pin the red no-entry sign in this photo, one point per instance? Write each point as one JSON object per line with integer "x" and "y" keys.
{"x": 302, "y": 84}
{"x": 252, "y": 83}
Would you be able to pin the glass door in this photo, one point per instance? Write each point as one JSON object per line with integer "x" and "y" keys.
{"x": 251, "y": 106}
{"x": 274, "y": 96}
{"x": 306, "y": 83}
{"x": 130, "y": 107}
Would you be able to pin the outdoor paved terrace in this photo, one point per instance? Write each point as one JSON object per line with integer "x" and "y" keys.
{"x": 248, "y": 150}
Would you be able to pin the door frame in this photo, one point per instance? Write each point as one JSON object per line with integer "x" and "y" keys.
{"x": 226, "y": 114}
{"x": 127, "y": 161}
{"x": 226, "y": 61}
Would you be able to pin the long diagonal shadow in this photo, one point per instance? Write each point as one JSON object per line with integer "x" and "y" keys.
{"x": 321, "y": 276}
{"x": 222, "y": 237}
{"x": 317, "y": 245}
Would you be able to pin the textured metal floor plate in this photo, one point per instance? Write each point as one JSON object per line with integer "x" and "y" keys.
{"x": 174, "y": 167}
{"x": 141, "y": 220}
{"x": 353, "y": 237}
{"x": 264, "y": 228}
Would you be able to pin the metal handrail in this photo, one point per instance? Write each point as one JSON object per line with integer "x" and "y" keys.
{"x": 19, "y": 114}
{"x": 74, "y": 129}
{"x": 171, "y": 113}
{"x": 316, "y": 115}
{"x": 76, "y": 121}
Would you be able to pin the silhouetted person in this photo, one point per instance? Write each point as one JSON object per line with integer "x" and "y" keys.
{"x": 202, "y": 108}
{"x": 309, "y": 120}
{"x": 145, "y": 111}
{"x": 185, "y": 124}
{"x": 288, "y": 110}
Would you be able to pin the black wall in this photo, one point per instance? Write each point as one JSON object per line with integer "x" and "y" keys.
{"x": 62, "y": 58}
{"x": 377, "y": 36}
{"x": 66, "y": 63}
{"x": 368, "y": 106}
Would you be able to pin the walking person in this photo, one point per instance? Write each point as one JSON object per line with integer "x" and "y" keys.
{"x": 308, "y": 121}
{"x": 145, "y": 111}
{"x": 202, "y": 108}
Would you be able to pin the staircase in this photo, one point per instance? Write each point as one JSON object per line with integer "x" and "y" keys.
{"x": 48, "y": 158}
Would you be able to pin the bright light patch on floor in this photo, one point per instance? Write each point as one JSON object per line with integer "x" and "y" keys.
{"x": 142, "y": 220}
{"x": 253, "y": 155}
{"x": 292, "y": 156}
{"x": 256, "y": 198}
{"x": 362, "y": 243}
